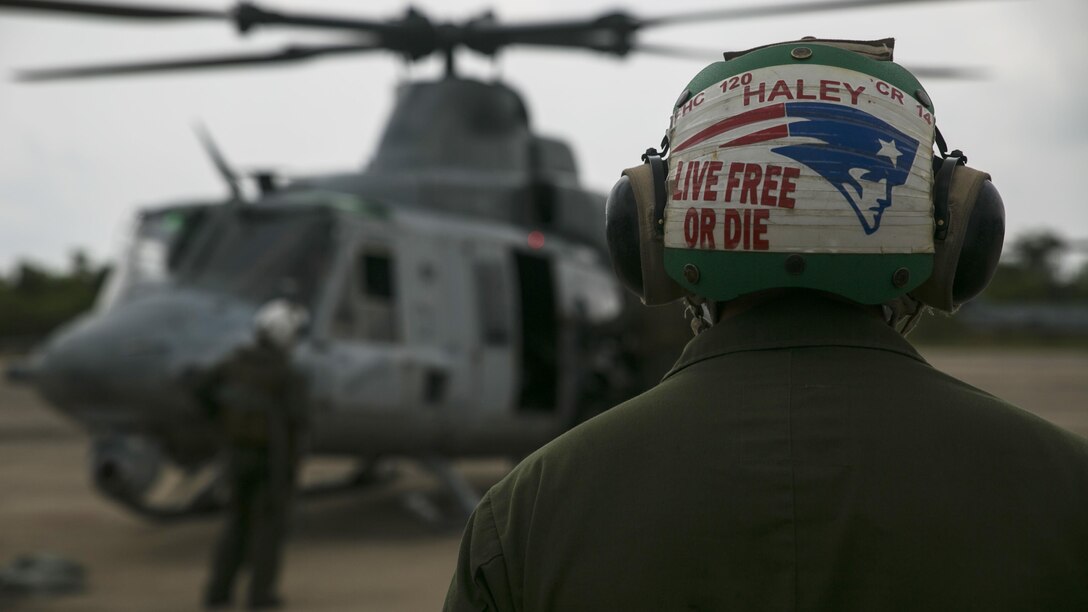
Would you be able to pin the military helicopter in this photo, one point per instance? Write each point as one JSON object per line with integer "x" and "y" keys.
{"x": 460, "y": 295}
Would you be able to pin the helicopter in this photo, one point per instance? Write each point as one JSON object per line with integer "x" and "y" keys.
{"x": 461, "y": 298}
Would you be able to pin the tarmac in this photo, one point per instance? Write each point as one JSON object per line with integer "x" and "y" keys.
{"x": 363, "y": 550}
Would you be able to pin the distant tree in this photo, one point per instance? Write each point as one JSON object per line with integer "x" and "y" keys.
{"x": 1078, "y": 287}
{"x": 81, "y": 265}
{"x": 30, "y": 279}
{"x": 35, "y": 300}
{"x": 1031, "y": 270}
{"x": 1040, "y": 253}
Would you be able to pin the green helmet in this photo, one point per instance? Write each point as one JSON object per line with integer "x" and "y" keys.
{"x": 801, "y": 165}
{"x": 806, "y": 164}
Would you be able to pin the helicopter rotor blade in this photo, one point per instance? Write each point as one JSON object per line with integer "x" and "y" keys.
{"x": 967, "y": 73}
{"x": 958, "y": 73}
{"x": 615, "y": 32}
{"x": 770, "y": 10}
{"x": 704, "y": 54}
{"x": 103, "y": 9}
{"x": 244, "y": 15}
{"x": 610, "y": 33}
{"x": 415, "y": 36}
{"x": 293, "y": 53}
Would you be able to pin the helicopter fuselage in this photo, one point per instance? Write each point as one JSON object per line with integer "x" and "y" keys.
{"x": 460, "y": 296}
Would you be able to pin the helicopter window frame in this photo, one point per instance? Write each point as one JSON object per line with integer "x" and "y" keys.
{"x": 248, "y": 252}
{"x": 367, "y": 308}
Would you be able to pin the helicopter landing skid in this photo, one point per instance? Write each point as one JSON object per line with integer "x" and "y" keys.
{"x": 179, "y": 495}
{"x": 464, "y": 495}
{"x": 463, "y": 492}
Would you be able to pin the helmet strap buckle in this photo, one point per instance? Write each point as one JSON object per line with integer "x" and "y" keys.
{"x": 703, "y": 313}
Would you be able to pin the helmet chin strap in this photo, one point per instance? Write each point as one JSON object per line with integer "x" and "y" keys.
{"x": 703, "y": 313}
{"x": 903, "y": 313}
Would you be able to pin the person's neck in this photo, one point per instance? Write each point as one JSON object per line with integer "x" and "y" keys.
{"x": 734, "y": 307}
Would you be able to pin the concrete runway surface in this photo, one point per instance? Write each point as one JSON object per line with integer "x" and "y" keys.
{"x": 359, "y": 551}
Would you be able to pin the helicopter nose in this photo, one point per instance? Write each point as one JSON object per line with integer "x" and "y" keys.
{"x": 114, "y": 369}
{"x": 92, "y": 372}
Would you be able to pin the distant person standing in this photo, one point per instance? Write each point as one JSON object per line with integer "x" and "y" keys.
{"x": 253, "y": 396}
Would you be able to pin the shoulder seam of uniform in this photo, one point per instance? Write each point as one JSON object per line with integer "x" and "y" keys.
{"x": 495, "y": 525}
{"x": 498, "y": 541}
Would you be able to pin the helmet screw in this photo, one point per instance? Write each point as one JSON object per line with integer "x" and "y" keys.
{"x": 795, "y": 265}
{"x": 691, "y": 274}
{"x": 901, "y": 277}
{"x": 801, "y": 53}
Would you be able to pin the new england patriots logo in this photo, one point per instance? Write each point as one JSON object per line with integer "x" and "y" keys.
{"x": 862, "y": 156}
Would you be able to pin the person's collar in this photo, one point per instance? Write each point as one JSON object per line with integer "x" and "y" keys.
{"x": 794, "y": 319}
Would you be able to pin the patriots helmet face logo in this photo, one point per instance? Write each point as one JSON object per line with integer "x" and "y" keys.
{"x": 862, "y": 156}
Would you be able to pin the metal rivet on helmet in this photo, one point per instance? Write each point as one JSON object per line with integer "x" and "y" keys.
{"x": 901, "y": 277}
{"x": 691, "y": 273}
{"x": 795, "y": 265}
{"x": 801, "y": 53}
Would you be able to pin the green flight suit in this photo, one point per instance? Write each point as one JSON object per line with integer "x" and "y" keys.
{"x": 799, "y": 456}
{"x": 256, "y": 397}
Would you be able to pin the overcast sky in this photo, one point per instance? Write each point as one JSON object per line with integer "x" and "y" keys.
{"x": 78, "y": 158}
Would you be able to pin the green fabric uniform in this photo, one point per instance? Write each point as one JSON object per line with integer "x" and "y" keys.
{"x": 799, "y": 456}
{"x": 254, "y": 395}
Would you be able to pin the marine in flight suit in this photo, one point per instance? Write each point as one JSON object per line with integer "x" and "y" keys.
{"x": 801, "y": 455}
{"x": 255, "y": 394}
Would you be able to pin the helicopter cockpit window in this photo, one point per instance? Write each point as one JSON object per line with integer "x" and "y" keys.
{"x": 152, "y": 251}
{"x": 367, "y": 310}
{"x": 259, "y": 255}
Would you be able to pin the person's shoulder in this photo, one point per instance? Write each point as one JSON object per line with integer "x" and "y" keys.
{"x": 993, "y": 417}
{"x": 603, "y": 441}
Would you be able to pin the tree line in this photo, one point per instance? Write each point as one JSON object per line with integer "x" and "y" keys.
{"x": 35, "y": 300}
{"x": 1031, "y": 271}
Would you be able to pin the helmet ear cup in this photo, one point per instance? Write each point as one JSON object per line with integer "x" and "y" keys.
{"x": 969, "y": 219}
{"x": 622, "y": 235}
{"x": 635, "y": 234}
{"x": 981, "y": 245}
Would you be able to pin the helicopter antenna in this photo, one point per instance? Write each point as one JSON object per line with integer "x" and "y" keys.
{"x": 219, "y": 161}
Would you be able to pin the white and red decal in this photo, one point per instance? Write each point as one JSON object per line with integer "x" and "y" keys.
{"x": 801, "y": 159}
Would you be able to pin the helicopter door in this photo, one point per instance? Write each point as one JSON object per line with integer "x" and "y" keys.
{"x": 369, "y": 374}
{"x": 493, "y": 355}
{"x": 539, "y": 334}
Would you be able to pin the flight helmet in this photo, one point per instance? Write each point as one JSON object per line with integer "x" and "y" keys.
{"x": 805, "y": 164}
